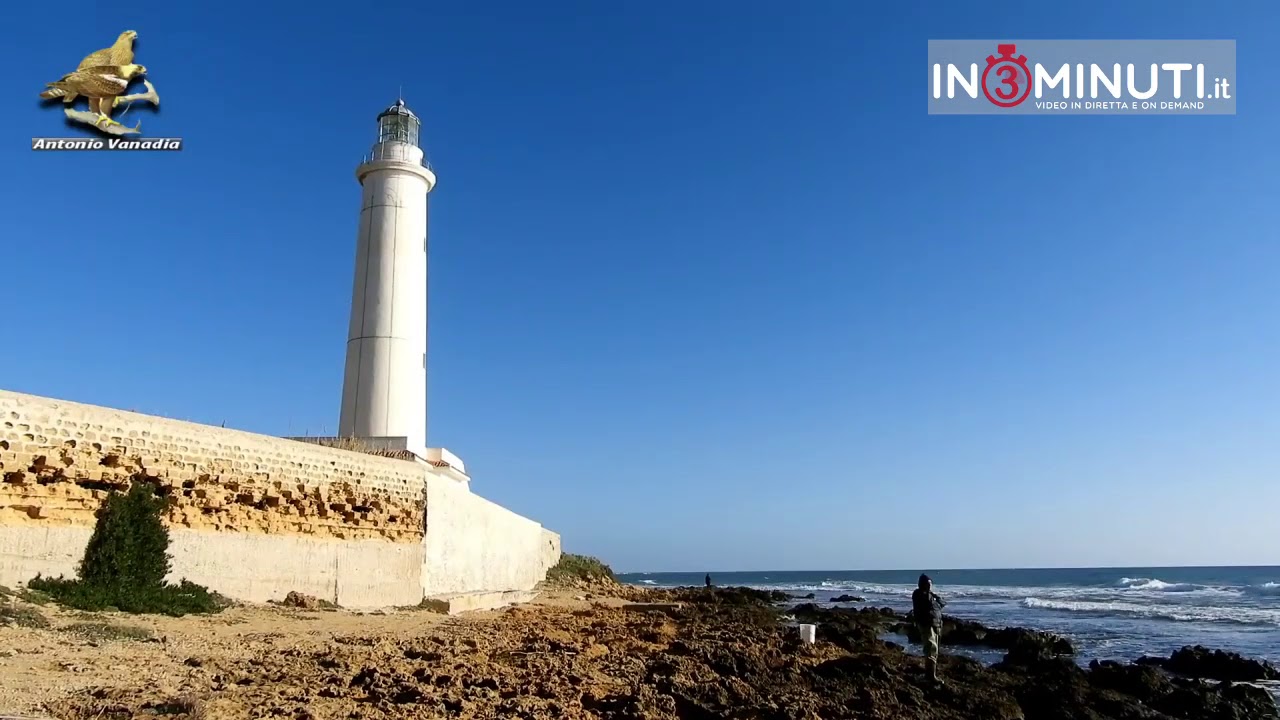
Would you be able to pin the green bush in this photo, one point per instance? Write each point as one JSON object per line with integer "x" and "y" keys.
{"x": 579, "y": 567}
{"x": 126, "y": 561}
{"x": 130, "y": 543}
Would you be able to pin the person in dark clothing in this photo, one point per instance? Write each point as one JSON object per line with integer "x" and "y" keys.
{"x": 926, "y": 607}
{"x": 708, "y": 579}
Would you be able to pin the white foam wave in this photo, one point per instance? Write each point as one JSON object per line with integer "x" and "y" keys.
{"x": 1127, "y": 589}
{"x": 1178, "y": 613}
{"x": 1141, "y": 587}
{"x": 1269, "y": 589}
{"x": 1162, "y": 586}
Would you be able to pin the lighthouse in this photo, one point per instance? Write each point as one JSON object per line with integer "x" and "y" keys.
{"x": 384, "y": 387}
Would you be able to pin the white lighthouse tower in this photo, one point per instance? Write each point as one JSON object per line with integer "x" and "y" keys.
{"x": 384, "y": 389}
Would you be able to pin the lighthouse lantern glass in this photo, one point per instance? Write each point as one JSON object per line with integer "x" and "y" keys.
{"x": 393, "y": 127}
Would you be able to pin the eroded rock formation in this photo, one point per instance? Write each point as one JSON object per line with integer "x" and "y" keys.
{"x": 57, "y": 465}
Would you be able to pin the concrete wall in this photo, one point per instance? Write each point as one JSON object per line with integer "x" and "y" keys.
{"x": 473, "y": 544}
{"x": 254, "y": 517}
{"x": 244, "y": 566}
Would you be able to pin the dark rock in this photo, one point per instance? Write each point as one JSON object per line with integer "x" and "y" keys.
{"x": 876, "y": 616}
{"x": 1233, "y": 702}
{"x": 847, "y": 598}
{"x": 1022, "y": 642}
{"x": 810, "y": 596}
{"x": 1054, "y": 688}
{"x": 760, "y": 672}
{"x": 1028, "y": 649}
{"x": 741, "y": 596}
{"x": 1181, "y": 698}
{"x": 1142, "y": 682}
{"x": 1201, "y": 662}
{"x": 863, "y": 665}
{"x": 305, "y": 602}
{"x": 848, "y": 628}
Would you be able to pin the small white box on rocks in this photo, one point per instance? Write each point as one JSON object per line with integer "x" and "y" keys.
{"x": 808, "y": 634}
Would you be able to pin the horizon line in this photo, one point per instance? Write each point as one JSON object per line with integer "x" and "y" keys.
{"x": 956, "y": 569}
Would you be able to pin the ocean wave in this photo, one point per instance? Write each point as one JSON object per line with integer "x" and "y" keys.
{"x": 1267, "y": 589}
{"x": 1162, "y": 586}
{"x": 1126, "y": 589}
{"x": 1176, "y": 613}
{"x": 1132, "y": 587}
{"x": 905, "y": 589}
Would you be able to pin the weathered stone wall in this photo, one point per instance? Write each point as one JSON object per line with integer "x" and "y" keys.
{"x": 253, "y": 516}
{"x": 58, "y": 460}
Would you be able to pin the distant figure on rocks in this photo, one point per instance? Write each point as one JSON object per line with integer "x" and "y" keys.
{"x": 926, "y": 607}
{"x": 708, "y": 579}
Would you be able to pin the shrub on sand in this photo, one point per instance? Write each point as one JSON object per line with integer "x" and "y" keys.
{"x": 580, "y": 568}
{"x": 126, "y": 561}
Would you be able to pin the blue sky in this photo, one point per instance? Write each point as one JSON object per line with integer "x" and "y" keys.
{"x": 709, "y": 288}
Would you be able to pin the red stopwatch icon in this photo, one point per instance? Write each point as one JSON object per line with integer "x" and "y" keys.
{"x": 1007, "y": 80}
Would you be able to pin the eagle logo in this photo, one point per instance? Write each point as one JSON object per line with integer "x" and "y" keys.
{"x": 102, "y": 78}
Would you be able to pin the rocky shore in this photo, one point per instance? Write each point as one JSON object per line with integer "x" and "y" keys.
{"x": 586, "y": 652}
{"x": 1039, "y": 678}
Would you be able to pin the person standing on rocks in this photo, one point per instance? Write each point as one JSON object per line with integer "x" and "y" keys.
{"x": 926, "y": 607}
{"x": 708, "y": 579}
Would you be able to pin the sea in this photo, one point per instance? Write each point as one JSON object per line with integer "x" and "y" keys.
{"x": 1109, "y": 613}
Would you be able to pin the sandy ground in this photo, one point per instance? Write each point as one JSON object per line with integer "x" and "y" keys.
{"x": 571, "y": 655}
{"x": 76, "y": 656}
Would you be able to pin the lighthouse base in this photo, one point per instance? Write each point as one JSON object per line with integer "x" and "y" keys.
{"x": 440, "y": 461}
{"x": 357, "y": 443}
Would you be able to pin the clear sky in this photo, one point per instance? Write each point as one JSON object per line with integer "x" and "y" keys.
{"x": 709, "y": 288}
